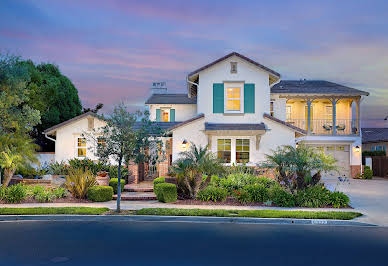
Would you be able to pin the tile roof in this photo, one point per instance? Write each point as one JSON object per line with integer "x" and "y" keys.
{"x": 187, "y": 121}
{"x": 313, "y": 87}
{"x": 297, "y": 129}
{"x": 53, "y": 128}
{"x": 169, "y": 98}
{"x": 242, "y": 57}
{"x": 374, "y": 135}
{"x": 217, "y": 126}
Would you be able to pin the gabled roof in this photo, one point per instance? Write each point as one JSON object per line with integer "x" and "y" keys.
{"x": 65, "y": 123}
{"x": 162, "y": 125}
{"x": 297, "y": 129}
{"x": 314, "y": 87}
{"x": 274, "y": 73}
{"x": 374, "y": 135}
{"x": 187, "y": 121}
{"x": 222, "y": 126}
{"x": 168, "y": 98}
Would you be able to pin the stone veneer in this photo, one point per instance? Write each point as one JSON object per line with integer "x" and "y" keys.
{"x": 355, "y": 171}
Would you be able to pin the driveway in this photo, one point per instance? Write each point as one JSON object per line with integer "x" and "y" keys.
{"x": 367, "y": 196}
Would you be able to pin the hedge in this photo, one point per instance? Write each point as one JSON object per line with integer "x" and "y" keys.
{"x": 159, "y": 180}
{"x": 100, "y": 193}
{"x": 165, "y": 192}
{"x": 113, "y": 182}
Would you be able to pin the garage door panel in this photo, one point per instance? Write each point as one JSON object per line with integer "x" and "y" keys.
{"x": 342, "y": 154}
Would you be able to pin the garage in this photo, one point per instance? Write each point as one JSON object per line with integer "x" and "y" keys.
{"x": 341, "y": 154}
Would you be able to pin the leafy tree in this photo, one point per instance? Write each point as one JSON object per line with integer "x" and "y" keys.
{"x": 196, "y": 166}
{"x": 95, "y": 109}
{"x": 127, "y": 137}
{"x": 300, "y": 167}
{"x": 16, "y": 151}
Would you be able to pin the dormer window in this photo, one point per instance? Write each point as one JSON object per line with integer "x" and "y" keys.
{"x": 233, "y": 67}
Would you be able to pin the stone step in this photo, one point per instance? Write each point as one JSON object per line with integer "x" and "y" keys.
{"x": 139, "y": 189}
{"x": 136, "y": 196}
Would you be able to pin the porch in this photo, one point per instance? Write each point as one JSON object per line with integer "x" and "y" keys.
{"x": 325, "y": 115}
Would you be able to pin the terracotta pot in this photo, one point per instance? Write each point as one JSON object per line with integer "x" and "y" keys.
{"x": 102, "y": 173}
{"x": 102, "y": 180}
{"x": 169, "y": 179}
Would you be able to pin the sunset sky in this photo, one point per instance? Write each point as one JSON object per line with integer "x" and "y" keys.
{"x": 113, "y": 50}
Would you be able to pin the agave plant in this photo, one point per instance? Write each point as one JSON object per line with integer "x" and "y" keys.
{"x": 79, "y": 181}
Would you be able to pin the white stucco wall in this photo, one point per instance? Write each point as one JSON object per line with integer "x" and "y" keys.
{"x": 182, "y": 111}
{"x": 279, "y": 107}
{"x": 67, "y": 137}
{"x": 247, "y": 73}
{"x": 191, "y": 132}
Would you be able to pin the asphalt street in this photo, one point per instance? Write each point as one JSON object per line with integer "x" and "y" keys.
{"x": 165, "y": 243}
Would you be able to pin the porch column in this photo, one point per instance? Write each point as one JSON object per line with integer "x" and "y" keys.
{"x": 334, "y": 102}
{"x": 309, "y": 101}
{"x": 358, "y": 115}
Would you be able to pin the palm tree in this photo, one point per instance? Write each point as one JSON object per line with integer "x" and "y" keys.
{"x": 196, "y": 166}
{"x": 16, "y": 151}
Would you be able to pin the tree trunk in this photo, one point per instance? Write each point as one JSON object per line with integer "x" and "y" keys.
{"x": 119, "y": 187}
{"x": 8, "y": 174}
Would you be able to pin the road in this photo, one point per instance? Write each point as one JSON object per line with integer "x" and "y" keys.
{"x": 153, "y": 243}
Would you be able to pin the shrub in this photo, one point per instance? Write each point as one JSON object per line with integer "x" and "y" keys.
{"x": 15, "y": 193}
{"x": 166, "y": 192}
{"x": 37, "y": 190}
{"x": 113, "y": 182}
{"x": 59, "y": 192}
{"x": 313, "y": 197}
{"x": 373, "y": 153}
{"x": 3, "y": 193}
{"x": 257, "y": 192}
{"x": 114, "y": 172}
{"x": 281, "y": 197}
{"x": 45, "y": 196}
{"x": 79, "y": 181}
{"x": 242, "y": 196}
{"x": 339, "y": 199}
{"x": 159, "y": 180}
{"x": 58, "y": 168}
{"x": 266, "y": 181}
{"x": 212, "y": 193}
{"x": 237, "y": 181}
{"x": 368, "y": 173}
{"x": 100, "y": 193}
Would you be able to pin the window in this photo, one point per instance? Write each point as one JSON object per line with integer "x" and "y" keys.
{"x": 329, "y": 113}
{"x": 242, "y": 150}
{"x": 233, "y": 99}
{"x": 165, "y": 115}
{"x": 288, "y": 112}
{"x": 271, "y": 108}
{"x": 81, "y": 147}
{"x": 101, "y": 141}
{"x": 224, "y": 147}
{"x": 378, "y": 148}
{"x": 233, "y": 67}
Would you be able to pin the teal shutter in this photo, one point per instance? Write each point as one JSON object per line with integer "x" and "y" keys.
{"x": 158, "y": 115}
{"x": 218, "y": 97}
{"x": 172, "y": 115}
{"x": 249, "y": 98}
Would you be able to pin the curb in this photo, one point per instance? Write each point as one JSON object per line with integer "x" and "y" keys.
{"x": 184, "y": 219}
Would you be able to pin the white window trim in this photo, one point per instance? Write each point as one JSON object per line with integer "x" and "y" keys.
{"x": 234, "y": 85}
{"x": 233, "y": 148}
{"x": 76, "y": 147}
{"x": 288, "y": 106}
{"x": 167, "y": 109}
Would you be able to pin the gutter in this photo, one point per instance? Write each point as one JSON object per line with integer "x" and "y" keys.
{"x": 47, "y": 137}
{"x": 188, "y": 81}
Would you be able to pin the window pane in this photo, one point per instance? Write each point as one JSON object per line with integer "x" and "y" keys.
{"x": 242, "y": 150}
{"x": 81, "y": 142}
{"x": 223, "y": 150}
{"x": 81, "y": 152}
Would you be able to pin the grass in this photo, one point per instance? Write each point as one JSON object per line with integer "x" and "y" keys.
{"x": 332, "y": 215}
{"x": 53, "y": 210}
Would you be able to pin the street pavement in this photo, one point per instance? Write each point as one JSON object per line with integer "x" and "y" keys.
{"x": 156, "y": 243}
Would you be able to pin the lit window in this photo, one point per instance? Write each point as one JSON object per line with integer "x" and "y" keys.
{"x": 242, "y": 150}
{"x": 101, "y": 141}
{"x": 165, "y": 116}
{"x": 233, "y": 99}
{"x": 224, "y": 148}
{"x": 233, "y": 67}
{"x": 81, "y": 147}
{"x": 271, "y": 109}
{"x": 288, "y": 112}
{"x": 329, "y": 113}
{"x": 378, "y": 148}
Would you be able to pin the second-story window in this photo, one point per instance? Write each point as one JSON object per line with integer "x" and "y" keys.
{"x": 288, "y": 112}
{"x": 329, "y": 113}
{"x": 271, "y": 108}
{"x": 233, "y": 99}
{"x": 165, "y": 115}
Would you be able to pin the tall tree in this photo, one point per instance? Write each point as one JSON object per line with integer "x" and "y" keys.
{"x": 126, "y": 137}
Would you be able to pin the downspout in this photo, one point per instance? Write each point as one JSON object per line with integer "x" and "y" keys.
{"x": 188, "y": 81}
{"x": 47, "y": 137}
{"x": 273, "y": 84}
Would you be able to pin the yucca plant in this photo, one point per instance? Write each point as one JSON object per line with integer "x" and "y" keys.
{"x": 79, "y": 181}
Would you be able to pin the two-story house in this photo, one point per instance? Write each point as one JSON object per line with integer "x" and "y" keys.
{"x": 242, "y": 110}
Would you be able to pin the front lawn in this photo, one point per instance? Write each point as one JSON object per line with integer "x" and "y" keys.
{"x": 332, "y": 215}
{"x": 53, "y": 210}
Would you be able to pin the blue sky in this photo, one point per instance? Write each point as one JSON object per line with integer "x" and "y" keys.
{"x": 113, "y": 50}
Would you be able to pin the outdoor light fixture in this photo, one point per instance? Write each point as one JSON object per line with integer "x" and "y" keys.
{"x": 184, "y": 144}
{"x": 386, "y": 118}
{"x": 357, "y": 148}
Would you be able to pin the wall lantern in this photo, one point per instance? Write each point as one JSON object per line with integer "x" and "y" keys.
{"x": 184, "y": 144}
{"x": 357, "y": 148}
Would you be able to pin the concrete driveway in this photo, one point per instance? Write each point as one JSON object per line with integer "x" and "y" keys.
{"x": 369, "y": 197}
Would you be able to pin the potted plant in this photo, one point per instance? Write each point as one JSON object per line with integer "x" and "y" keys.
{"x": 102, "y": 178}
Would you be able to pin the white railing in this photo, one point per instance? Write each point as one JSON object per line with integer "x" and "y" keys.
{"x": 325, "y": 126}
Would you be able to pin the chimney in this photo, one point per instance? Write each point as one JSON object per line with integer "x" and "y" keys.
{"x": 159, "y": 87}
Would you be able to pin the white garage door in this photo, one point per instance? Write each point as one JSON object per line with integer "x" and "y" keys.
{"x": 341, "y": 154}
